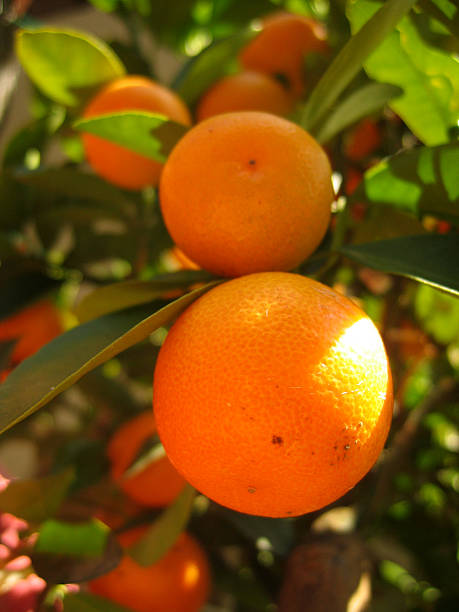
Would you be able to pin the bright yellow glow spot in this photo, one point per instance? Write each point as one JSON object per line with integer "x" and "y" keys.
{"x": 191, "y": 575}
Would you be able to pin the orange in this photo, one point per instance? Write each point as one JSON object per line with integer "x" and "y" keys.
{"x": 246, "y": 192}
{"x": 158, "y": 483}
{"x": 117, "y": 164}
{"x": 245, "y": 91}
{"x": 280, "y": 48}
{"x": 272, "y": 394}
{"x": 363, "y": 140}
{"x": 179, "y": 582}
{"x": 32, "y": 327}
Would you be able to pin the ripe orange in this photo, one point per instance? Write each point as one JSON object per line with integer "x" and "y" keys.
{"x": 272, "y": 394}
{"x": 156, "y": 485}
{"x": 246, "y": 90}
{"x": 117, "y": 164}
{"x": 281, "y": 46}
{"x": 246, "y": 192}
{"x": 179, "y": 582}
{"x": 32, "y": 327}
{"x": 363, "y": 140}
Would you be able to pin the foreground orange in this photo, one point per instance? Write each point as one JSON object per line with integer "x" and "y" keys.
{"x": 158, "y": 483}
{"x": 281, "y": 47}
{"x": 246, "y": 192}
{"x": 272, "y": 394}
{"x": 246, "y": 90}
{"x": 179, "y": 582}
{"x": 31, "y": 327}
{"x": 117, "y": 164}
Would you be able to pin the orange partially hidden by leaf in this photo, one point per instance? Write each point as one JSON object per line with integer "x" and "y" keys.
{"x": 158, "y": 483}
{"x": 280, "y": 48}
{"x": 179, "y": 582}
{"x": 113, "y": 162}
{"x": 272, "y": 394}
{"x": 31, "y": 328}
{"x": 246, "y": 90}
{"x": 246, "y": 192}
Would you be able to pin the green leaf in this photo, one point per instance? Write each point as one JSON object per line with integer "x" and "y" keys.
{"x": 360, "y": 103}
{"x": 427, "y": 258}
{"x": 80, "y": 539}
{"x": 71, "y": 184}
{"x": 130, "y": 293}
{"x": 70, "y": 567}
{"x": 209, "y": 65}
{"x": 65, "y": 64}
{"x": 419, "y": 181}
{"x": 149, "y": 134}
{"x": 445, "y": 11}
{"x": 63, "y": 361}
{"x": 438, "y": 313}
{"x": 350, "y": 59}
{"x": 84, "y": 602}
{"x": 428, "y": 76}
{"x": 164, "y": 531}
{"x": 36, "y": 500}
{"x": 279, "y": 533}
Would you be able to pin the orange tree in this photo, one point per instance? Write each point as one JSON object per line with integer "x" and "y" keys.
{"x": 256, "y": 384}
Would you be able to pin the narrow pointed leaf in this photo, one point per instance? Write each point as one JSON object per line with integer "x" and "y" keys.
{"x": 360, "y": 103}
{"x": 351, "y": 58}
{"x": 59, "y": 364}
{"x": 149, "y": 134}
{"x": 164, "y": 531}
{"x": 131, "y": 293}
{"x": 66, "y": 64}
{"x": 204, "y": 69}
{"x": 427, "y": 258}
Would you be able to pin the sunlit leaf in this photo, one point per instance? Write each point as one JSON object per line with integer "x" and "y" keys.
{"x": 428, "y": 76}
{"x": 149, "y": 134}
{"x": 66, "y": 64}
{"x": 350, "y": 60}
{"x": 155, "y": 543}
{"x": 428, "y": 258}
{"x": 421, "y": 180}
{"x": 55, "y": 367}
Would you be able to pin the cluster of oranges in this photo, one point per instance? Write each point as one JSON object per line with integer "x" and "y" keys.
{"x": 272, "y": 393}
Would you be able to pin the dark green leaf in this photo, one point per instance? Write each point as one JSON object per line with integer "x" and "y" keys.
{"x": 80, "y": 539}
{"x": 204, "y": 69}
{"x": 350, "y": 60}
{"x": 363, "y": 102}
{"x": 84, "y": 602}
{"x": 279, "y": 532}
{"x": 149, "y": 134}
{"x": 72, "y": 184}
{"x": 164, "y": 531}
{"x": 59, "y": 364}
{"x": 421, "y": 180}
{"x": 428, "y": 76}
{"x": 428, "y": 258}
{"x": 130, "y": 293}
{"x": 36, "y": 500}
{"x": 71, "y": 567}
{"x": 445, "y": 11}
{"x": 65, "y": 63}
